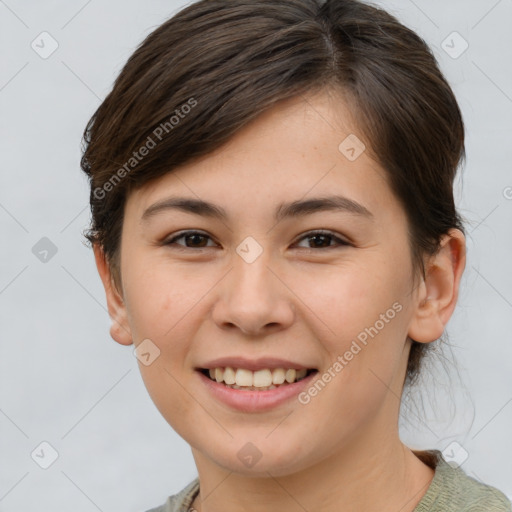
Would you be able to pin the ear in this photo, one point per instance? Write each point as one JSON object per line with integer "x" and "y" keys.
{"x": 120, "y": 328}
{"x": 438, "y": 293}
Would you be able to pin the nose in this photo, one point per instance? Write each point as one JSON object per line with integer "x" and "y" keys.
{"x": 254, "y": 298}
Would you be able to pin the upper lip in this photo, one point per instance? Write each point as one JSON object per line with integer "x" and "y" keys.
{"x": 260, "y": 363}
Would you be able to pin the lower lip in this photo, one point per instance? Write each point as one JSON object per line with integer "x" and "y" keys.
{"x": 255, "y": 401}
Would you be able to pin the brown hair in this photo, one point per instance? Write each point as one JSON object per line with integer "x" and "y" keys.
{"x": 213, "y": 67}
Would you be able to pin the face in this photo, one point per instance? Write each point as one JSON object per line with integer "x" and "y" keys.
{"x": 325, "y": 288}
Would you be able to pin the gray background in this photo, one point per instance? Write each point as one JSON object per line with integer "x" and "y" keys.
{"x": 63, "y": 380}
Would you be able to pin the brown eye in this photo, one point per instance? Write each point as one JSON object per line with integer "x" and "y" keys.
{"x": 193, "y": 239}
{"x": 199, "y": 240}
{"x": 322, "y": 239}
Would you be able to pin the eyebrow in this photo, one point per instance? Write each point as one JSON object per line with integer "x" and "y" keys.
{"x": 297, "y": 208}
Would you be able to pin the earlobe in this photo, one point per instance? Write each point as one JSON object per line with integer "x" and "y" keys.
{"x": 120, "y": 329}
{"x": 438, "y": 293}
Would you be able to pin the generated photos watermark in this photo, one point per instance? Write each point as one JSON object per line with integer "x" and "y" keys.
{"x": 343, "y": 360}
{"x": 151, "y": 142}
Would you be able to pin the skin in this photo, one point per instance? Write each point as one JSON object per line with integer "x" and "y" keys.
{"x": 301, "y": 299}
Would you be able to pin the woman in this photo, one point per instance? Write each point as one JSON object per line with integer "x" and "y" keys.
{"x": 275, "y": 229}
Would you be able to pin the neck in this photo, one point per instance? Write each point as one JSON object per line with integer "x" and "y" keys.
{"x": 362, "y": 476}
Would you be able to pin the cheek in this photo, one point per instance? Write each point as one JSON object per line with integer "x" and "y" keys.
{"x": 159, "y": 297}
{"x": 359, "y": 315}
{"x": 348, "y": 300}
{"x": 161, "y": 307}
{"x": 167, "y": 390}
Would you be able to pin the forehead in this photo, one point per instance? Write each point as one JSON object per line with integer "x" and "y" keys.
{"x": 303, "y": 147}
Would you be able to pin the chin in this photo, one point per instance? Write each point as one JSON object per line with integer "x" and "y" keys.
{"x": 251, "y": 461}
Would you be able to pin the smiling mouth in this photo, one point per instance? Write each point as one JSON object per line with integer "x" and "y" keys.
{"x": 261, "y": 380}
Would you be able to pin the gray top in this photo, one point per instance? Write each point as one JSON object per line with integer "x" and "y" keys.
{"x": 451, "y": 490}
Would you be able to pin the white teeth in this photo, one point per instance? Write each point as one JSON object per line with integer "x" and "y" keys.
{"x": 301, "y": 373}
{"x": 262, "y": 378}
{"x": 278, "y": 376}
{"x": 241, "y": 378}
{"x": 229, "y": 375}
{"x": 290, "y": 375}
{"x": 252, "y": 388}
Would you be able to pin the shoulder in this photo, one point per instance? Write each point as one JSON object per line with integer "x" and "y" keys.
{"x": 181, "y": 501}
{"x": 452, "y": 490}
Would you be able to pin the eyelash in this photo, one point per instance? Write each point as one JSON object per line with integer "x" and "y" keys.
{"x": 310, "y": 234}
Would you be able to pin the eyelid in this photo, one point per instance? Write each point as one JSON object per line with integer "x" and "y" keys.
{"x": 308, "y": 234}
{"x": 332, "y": 234}
{"x": 181, "y": 234}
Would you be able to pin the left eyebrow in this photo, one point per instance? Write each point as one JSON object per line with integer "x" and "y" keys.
{"x": 297, "y": 208}
{"x": 321, "y": 204}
